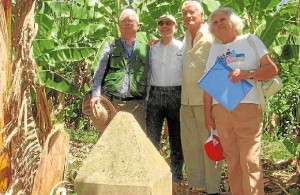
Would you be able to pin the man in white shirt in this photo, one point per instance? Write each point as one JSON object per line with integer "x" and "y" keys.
{"x": 165, "y": 91}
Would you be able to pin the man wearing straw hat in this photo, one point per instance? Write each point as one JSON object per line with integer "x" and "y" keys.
{"x": 121, "y": 75}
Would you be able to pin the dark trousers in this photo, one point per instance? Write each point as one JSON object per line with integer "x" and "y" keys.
{"x": 164, "y": 102}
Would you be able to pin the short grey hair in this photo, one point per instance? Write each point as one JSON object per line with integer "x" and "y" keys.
{"x": 129, "y": 11}
{"x": 235, "y": 20}
{"x": 196, "y": 3}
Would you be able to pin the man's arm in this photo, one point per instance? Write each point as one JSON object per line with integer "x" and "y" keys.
{"x": 99, "y": 73}
{"x": 99, "y": 76}
{"x": 209, "y": 120}
{"x": 149, "y": 72}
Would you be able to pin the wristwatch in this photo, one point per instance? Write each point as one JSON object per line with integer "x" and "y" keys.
{"x": 251, "y": 76}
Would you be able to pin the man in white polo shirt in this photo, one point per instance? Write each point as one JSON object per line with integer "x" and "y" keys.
{"x": 165, "y": 92}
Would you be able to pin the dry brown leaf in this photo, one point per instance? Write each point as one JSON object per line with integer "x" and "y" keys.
{"x": 293, "y": 180}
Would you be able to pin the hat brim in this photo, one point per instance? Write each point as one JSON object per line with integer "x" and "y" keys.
{"x": 102, "y": 122}
{"x": 165, "y": 18}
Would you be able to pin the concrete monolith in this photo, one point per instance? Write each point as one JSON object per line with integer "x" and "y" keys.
{"x": 124, "y": 161}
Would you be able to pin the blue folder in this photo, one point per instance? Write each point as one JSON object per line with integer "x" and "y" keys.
{"x": 217, "y": 84}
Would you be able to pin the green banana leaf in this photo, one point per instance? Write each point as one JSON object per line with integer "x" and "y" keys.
{"x": 57, "y": 82}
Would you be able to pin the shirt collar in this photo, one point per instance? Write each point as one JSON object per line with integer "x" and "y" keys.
{"x": 124, "y": 42}
{"x": 202, "y": 31}
{"x": 171, "y": 43}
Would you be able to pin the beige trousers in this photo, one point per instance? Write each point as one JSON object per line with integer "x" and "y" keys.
{"x": 240, "y": 136}
{"x": 201, "y": 171}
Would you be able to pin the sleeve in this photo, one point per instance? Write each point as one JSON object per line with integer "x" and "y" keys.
{"x": 209, "y": 61}
{"x": 99, "y": 73}
{"x": 260, "y": 46}
{"x": 149, "y": 72}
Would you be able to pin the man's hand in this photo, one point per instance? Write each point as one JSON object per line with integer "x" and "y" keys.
{"x": 153, "y": 42}
{"x": 95, "y": 101}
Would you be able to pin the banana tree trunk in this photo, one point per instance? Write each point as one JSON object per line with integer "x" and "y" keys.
{"x": 26, "y": 113}
{"x": 5, "y": 73}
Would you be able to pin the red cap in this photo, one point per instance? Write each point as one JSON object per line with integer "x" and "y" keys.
{"x": 213, "y": 147}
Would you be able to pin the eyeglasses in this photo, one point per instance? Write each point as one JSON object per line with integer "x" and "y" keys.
{"x": 168, "y": 23}
{"x": 128, "y": 21}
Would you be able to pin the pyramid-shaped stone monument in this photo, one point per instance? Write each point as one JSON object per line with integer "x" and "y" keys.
{"x": 124, "y": 161}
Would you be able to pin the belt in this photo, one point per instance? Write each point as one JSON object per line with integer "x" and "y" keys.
{"x": 114, "y": 97}
{"x": 172, "y": 88}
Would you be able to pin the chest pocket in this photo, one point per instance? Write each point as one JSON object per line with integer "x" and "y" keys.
{"x": 177, "y": 62}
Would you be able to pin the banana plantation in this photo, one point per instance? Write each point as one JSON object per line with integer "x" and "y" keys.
{"x": 51, "y": 48}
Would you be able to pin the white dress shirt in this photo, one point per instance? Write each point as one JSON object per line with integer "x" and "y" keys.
{"x": 166, "y": 64}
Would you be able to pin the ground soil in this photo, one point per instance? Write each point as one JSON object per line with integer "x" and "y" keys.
{"x": 279, "y": 177}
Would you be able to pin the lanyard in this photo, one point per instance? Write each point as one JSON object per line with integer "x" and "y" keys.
{"x": 129, "y": 50}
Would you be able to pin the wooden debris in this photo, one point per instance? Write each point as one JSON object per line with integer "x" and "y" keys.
{"x": 53, "y": 160}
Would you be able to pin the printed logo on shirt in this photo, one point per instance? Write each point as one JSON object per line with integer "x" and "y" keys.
{"x": 231, "y": 56}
